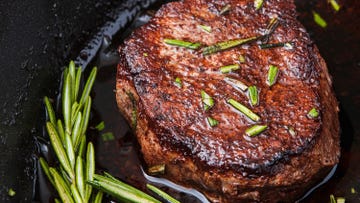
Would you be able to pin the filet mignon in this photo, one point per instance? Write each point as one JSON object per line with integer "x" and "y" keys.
{"x": 180, "y": 100}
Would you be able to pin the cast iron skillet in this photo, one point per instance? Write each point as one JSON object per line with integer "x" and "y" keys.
{"x": 38, "y": 37}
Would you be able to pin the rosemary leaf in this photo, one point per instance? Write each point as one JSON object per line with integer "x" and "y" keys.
{"x": 89, "y": 169}
{"x": 253, "y": 95}
{"x": 181, "y": 43}
{"x": 258, "y": 4}
{"x": 11, "y": 192}
{"x": 221, "y": 46}
{"x": 236, "y": 83}
{"x": 80, "y": 179}
{"x": 207, "y": 100}
{"x": 69, "y": 148}
{"x": 157, "y": 169}
{"x": 205, "y": 28}
{"x": 212, "y": 122}
{"x": 255, "y": 130}
{"x": 89, "y": 83}
{"x": 76, "y": 194}
{"x": 66, "y": 102}
{"x": 272, "y": 75}
{"x": 162, "y": 194}
{"x": 50, "y": 111}
{"x": 72, "y": 78}
{"x": 60, "y": 185}
{"x": 225, "y": 9}
{"x": 270, "y": 29}
{"x": 242, "y": 59}
{"x": 319, "y": 20}
{"x": 121, "y": 190}
{"x": 86, "y": 116}
{"x": 98, "y": 197}
{"x": 229, "y": 68}
{"x": 59, "y": 149}
{"x": 334, "y": 5}
{"x": 313, "y": 113}
{"x": 178, "y": 82}
{"x": 45, "y": 167}
{"x": 60, "y": 130}
{"x": 108, "y": 136}
{"x": 286, "y": 45}
{"x": 76, "y": 132}
{"x": 100, "y": 126}
{"x": 243, "y": 109}
{"x": 77, "y": 83}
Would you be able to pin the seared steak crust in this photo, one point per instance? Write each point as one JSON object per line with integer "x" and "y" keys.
{"x": 170, "y": 121}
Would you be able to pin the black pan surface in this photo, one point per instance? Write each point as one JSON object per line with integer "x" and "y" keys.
{"x": 38, "y": 37}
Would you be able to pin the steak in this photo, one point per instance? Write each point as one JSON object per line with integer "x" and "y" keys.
{"x": 178, "y": 92}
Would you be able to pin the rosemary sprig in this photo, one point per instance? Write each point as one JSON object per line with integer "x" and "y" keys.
{"x": 221, "y": 46}
{"x": 75, "y": 177}
{"x": 181, "y": 43}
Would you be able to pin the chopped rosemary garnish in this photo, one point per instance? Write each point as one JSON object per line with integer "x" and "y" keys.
{"x": 286, "y": 45}
{"x": 225, "y": 9}
{"x": 242, "y": 59}
{"x": 291, "y": 131}
{"x": 340, "y": 200}
{"x": 178, "y": 82}
{"x": 332, "y": 199}
{"x": 100, "y": 126}
{"x": 157, "y": 169}
{"x": 212, "y": 122}
{"x": 162, "y": 194}
{"x": 253, "y": 95}
{"x": 319, "y": 20}
{"x": 258, "y": 4}
{"x": 108, "y": 136}
{"x": 11, "y": 192}
{"x": 243, "y": 109}
{"x": 313, "y": 113}
{"x": 205, "y": 28}
{"x": 335, "y": 5}
{"x": 229, "y": 68}
{"x": 236, "y": 83}
{"x": 221, "y": 46}
{"x": 272, "y": 75}
{"x": 255, "y": 130}
{"x": 270, "y": 28}
{"x": 208, "y": 102}
{"x": 181, "y": 43}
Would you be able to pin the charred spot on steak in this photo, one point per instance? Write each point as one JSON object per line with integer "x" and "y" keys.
{"x": 274, "y": 156}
